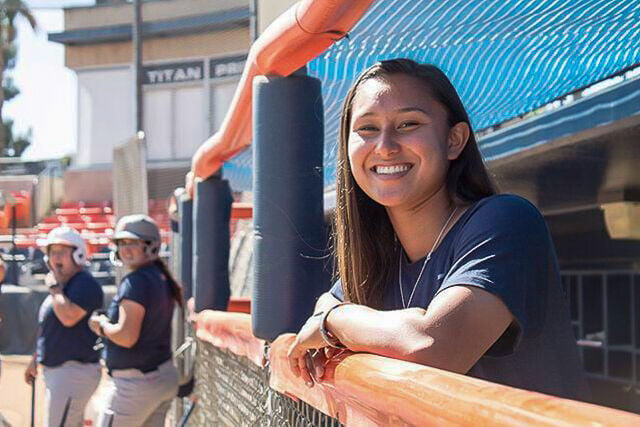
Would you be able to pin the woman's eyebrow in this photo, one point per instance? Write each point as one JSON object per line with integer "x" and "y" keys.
{"x": 411, "y": 109}
{"x": 401, "y": 110}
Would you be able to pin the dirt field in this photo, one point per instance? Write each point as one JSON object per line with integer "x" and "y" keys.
{"x": 15, "y": 394}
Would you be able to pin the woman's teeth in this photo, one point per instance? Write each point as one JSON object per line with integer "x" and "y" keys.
{"x": 390, "y": 170}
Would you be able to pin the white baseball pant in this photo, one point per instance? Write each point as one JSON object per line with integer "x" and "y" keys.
{"x": 136, "y": 399}
{"x": 68, "y": 388}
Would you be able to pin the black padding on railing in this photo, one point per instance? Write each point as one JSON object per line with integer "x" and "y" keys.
{"x": 185, "y": 210}
{"x": 211, "y": 216}
{"x": 288, "y": 216}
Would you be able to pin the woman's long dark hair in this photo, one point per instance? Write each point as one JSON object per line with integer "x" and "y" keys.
{"x": 364, "y": 236}
{"x": 174, "y": 286}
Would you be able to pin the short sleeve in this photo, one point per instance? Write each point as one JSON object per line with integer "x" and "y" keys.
{"x": 336, "y": 290}
{"x": 505, "y": 248}
{"x": 135, "y": 288}
{"x": 85, "y": 292}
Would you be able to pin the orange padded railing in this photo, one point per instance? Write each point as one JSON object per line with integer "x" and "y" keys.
{"x": 365, "y": 389}
{"x": 297, "y": 36}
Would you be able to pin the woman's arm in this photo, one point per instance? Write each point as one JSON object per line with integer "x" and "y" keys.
{"x": 126, "y": 332}
{"x": 325, "y": 302}
{"x": 459, "y": 326}
{"x": 66, "y": 311}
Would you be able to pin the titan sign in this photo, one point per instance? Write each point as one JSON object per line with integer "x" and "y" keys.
{"x": 174, "y": 73}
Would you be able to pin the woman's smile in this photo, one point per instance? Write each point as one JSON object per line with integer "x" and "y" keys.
{"x": 391, "y": 171}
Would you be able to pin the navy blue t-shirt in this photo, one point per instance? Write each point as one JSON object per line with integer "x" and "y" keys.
{"x": 57, "y": 343}
{"x": 148, "y": 287}
{"x": 502, "y": 245}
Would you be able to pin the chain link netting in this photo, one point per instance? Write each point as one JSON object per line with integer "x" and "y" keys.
{"x": 130, "y": 189}
{"x": 232, "y": 391}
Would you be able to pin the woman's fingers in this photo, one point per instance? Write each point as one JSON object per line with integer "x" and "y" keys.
{"x": 304, "y": 365}
{"x": 304, "y": 370}
{"x": 295, "y": 352}
{"x": 318, "y": 360}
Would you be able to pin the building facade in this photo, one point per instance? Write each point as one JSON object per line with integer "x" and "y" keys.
{"x": 193, "y": 54}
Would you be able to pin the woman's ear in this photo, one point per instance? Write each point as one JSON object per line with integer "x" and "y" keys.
{"x": 457, "y": 140}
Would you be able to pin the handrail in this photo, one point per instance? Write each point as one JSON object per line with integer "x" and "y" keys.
{"x": 230, "y": 331}
{"x": 365, "y": 389}
{"x": 300, "y": 34}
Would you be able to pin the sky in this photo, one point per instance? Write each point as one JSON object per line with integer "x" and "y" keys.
{"x": 47, "y": 99}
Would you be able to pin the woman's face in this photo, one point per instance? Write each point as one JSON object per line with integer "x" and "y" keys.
{"x": 61, "y": 262}
{"x": 132, "y": 253}
{"x": 399, "y": 149}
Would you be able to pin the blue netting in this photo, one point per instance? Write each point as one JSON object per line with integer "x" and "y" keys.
{"x": 505, "y": 57}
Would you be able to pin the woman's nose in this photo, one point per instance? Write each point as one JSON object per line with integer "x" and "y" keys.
{"x": 387, "y": 145}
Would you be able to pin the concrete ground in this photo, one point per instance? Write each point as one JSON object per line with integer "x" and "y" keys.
{"x": 15, "y": 395}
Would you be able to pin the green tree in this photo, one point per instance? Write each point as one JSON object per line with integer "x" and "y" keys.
{"x": 9, "y": 11}
{"x": 16, "y": 144}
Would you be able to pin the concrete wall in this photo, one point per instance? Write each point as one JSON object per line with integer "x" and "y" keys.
{"x": 159, "y": 49}
{"x": 107, "y": 15}
{"x": 89, "y": 185}
{"x": 96, "y": 184}
{"x": 18, "y": 183}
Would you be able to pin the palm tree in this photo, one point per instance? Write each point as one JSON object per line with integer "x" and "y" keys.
{"x": 9, "y": 10}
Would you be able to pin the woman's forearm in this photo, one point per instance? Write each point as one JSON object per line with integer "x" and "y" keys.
{"x": 395, "y": 334}
{"x": 68, "y": 313}
{"x": 116, "y": 333}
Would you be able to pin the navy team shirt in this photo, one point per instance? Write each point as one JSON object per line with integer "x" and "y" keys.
{"x": 148, "y": 287}
{"x": 57, "y": 343}
{"x": 501, "y": 244}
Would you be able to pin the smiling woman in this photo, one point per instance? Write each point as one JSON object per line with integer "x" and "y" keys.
{"x": 434, "y": 267}
{"x": 137, "y": 330}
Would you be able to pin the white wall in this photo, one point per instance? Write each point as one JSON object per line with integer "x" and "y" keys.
{"x": 221, "y": 95}
{"x": 178, "y": 117}
{"x": 175, "y": 120}
{"x": 105, "y": 113}
{"x": 190, "y": 120}
{"x": 269, "y": 10}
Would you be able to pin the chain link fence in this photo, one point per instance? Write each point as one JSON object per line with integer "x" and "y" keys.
{"x": 130, "y": 189}
{"x": 232, "y": 391}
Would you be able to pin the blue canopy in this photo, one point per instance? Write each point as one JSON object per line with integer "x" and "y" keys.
{"x": 505, "y": 57}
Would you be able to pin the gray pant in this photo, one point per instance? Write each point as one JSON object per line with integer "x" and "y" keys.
{"x": 68, "y": 388}
{"x": 135, "y": 399}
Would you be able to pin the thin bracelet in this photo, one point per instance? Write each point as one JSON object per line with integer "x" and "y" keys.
{"x": 327, "y": 336}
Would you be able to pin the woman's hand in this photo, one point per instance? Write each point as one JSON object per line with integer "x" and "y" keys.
{"x": 31, "y": 372}
{"x": 306, "y": 355}
{"x": 51, "y": 282}
{"x": 96, "y": 321}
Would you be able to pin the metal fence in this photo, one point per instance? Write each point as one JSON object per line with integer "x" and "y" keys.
{"x": 130, "y": 189}
{"x": 605, "y": 309}
{"x": 48, "y": 192}
{"x": 232, "y": 391}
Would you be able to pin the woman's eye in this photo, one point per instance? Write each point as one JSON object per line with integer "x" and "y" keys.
{"x": 366, "y": 128}
{"x": 408, "y": 124}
